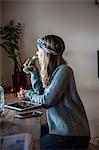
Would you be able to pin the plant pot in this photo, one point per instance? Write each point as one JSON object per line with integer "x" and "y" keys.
{"x": 19, "y": 79}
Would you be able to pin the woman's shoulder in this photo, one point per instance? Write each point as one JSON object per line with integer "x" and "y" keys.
{"x": 63, "y": 68}
{"x": 61, "y": 71}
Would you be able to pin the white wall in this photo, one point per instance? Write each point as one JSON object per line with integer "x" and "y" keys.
{"x": 78, "y": 24}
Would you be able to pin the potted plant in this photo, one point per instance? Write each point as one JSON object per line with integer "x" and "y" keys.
{"x": 10, "y": 40}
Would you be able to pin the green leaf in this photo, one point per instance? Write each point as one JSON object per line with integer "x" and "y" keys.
{"x": 16, "y": 52}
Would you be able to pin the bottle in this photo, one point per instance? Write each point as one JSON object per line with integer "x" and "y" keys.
{"x": 2, "y": 102}
{"x": 29, "y": 62}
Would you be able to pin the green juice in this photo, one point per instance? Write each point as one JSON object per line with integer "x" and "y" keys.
{"x": 26, "y": 67}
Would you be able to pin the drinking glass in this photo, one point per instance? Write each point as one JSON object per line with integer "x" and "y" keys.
{"x": 2, "y": 102}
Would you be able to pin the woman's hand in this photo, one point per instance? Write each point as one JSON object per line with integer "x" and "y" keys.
{"x": 28, "y": 66}
{"x": 21, "y": 94}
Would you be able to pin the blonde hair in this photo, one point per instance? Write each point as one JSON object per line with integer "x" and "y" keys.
{"x": 44, "y": 68}
{"x": 48, "y": 65}
{"x": 50, "y": 61}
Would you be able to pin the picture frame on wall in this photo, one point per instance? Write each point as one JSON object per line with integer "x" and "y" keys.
{"x": 97, "y": 2}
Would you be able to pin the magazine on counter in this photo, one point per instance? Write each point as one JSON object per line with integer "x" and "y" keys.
{"x": 15, "y": 142}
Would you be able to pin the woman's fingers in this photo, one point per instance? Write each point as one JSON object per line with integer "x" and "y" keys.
{"x": 23, "y": 91}
{"x": 20, "y": 96}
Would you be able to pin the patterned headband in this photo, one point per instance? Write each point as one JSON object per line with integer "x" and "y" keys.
{"x": 41, "y": 43}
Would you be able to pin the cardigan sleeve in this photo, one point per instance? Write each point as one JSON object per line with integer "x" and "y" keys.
{"x": 36, "y": 81}
{"x": 54, "y": 90}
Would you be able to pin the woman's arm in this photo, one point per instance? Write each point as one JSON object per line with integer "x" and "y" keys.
{"x": 54, "y": 90}
{"x": 36, "y": 81}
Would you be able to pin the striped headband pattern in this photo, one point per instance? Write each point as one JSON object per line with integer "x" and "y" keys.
{"x": 41, "y": 43}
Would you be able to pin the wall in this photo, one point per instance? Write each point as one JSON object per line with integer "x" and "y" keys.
{"x": 78, "y": 24}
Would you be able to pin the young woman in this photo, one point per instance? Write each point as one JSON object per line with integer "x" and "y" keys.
{"x": 55, "y": 89}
